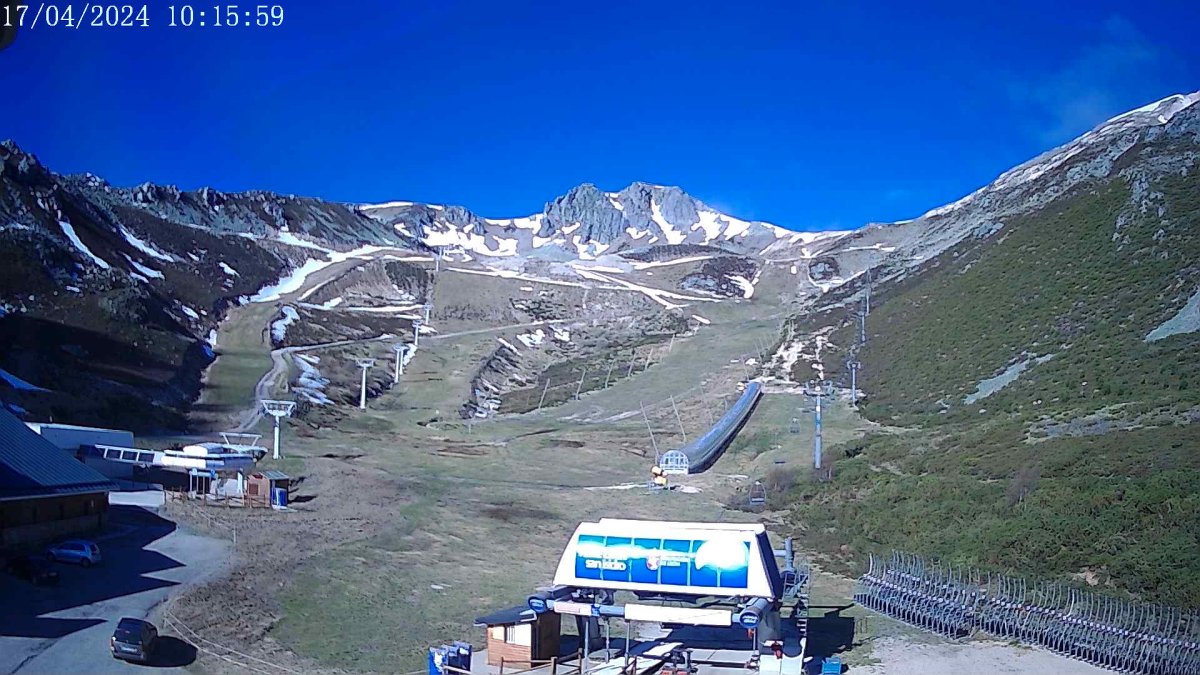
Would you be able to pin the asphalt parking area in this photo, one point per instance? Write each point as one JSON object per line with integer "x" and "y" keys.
{"x": 65, "y": 628}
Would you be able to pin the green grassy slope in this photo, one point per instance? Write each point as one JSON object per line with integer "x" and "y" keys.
{"x": 1086, "y": 463}
{"x": 1052, "y": 283}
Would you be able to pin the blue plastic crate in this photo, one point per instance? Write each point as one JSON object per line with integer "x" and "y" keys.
{"x": 437, "y": 660}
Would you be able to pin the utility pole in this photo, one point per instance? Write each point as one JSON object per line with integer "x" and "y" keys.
{"x": 817, "y": 390}
{"x": 428, "y": 307}
{"x": 400, "y": 348}
{"x": 544, "y": 390}
{"x": 579, "y": 387}
{"x": 416, "y": 332}
{"x": 652, "y": 441}
{"x": 278, "y": 410}
{"x": 854, "y": 365}
{"x": 678, "y": 419}
{"x": 611, "y": 364}
{"x": 862, "y": 328}
{"x": 365, "y": 364}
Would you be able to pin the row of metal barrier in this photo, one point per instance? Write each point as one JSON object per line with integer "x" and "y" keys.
{"x": 1124, "y": 636}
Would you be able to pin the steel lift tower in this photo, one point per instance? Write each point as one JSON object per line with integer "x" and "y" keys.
{"x": 817, "y": 390}
{"x": 400, "y": 348}
{"x": 854, "y": 365}
{"x": 278, "y": 410}
{"x": 365, "y": 364}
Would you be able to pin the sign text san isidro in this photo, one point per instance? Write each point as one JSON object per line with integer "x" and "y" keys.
{"x": 692, "y": 563}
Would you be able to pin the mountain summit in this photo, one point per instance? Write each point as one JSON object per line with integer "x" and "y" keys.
{"x": 588, "y": 222}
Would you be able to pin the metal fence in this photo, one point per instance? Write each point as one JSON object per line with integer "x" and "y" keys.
{"x": 1124, "y": 636}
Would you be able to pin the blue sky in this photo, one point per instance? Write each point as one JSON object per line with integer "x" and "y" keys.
{"x": 810, "y": 115}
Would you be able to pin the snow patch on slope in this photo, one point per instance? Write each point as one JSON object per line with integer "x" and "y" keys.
{"x": 146, "y": 271}
{"x": 709, "y": 224}
{"x": 80, "y": 246}
{"x": 292, "y": 240}
{"x": 467, "y": 239}
{"x": 659, "y": 296}
{"x": 385, "y": 205}
{"x": 310, "y": 384}
{"x": 279, "y": 326}
{"x": 295, "y": 280}
{"x": 144, "y": 246}
{"x": 673, "y": 236}
{"x": 1187, "y": 320}
{"x": 736, "y": 227}
{"x": 534, "y": 339}
{"x": 991, "y": 385}
{"x": 742, "y": 283}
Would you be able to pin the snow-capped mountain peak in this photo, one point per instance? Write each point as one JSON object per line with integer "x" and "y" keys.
{"x": 588, "y": 222}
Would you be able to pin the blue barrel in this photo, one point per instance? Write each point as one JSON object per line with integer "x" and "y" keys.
{"x": 278, "y": 497}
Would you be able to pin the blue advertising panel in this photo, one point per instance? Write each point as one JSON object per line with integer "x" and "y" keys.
{"x": 698, "y": 563}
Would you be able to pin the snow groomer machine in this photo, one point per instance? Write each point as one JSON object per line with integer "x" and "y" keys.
{"x": 708, "y": 594}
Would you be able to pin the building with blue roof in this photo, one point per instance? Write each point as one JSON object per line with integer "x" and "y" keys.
{"x": 45, "y": 493}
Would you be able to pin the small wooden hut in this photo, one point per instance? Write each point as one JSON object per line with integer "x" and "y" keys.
{"x": 520, "y": 637}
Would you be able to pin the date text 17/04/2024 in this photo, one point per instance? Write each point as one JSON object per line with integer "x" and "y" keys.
{"x": 99, "y": 15}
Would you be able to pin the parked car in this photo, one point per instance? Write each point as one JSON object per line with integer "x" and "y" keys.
{"x": 34, "y": 568}
{"x": 80, "y": 551}
{"x": 133, "y": 640}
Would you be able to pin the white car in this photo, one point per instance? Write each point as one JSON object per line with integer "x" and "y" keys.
{"x": 80, "y": 551}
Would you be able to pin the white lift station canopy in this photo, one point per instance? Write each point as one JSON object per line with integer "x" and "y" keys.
{"x": 700, "y": 559}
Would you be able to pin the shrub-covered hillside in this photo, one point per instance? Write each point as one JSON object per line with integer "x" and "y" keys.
{"x": 1087, "y": 464}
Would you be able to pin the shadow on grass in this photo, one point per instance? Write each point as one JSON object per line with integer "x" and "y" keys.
{"x": 829, "y": 634}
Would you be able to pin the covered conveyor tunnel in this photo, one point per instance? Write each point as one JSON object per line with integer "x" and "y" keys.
{"x": 703, "y": 452}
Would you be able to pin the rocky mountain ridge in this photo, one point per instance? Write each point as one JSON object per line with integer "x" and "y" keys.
{"x": 587, "y": 223}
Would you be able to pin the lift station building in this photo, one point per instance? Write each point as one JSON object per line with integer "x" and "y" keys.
{"x": 717, "y": 576}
